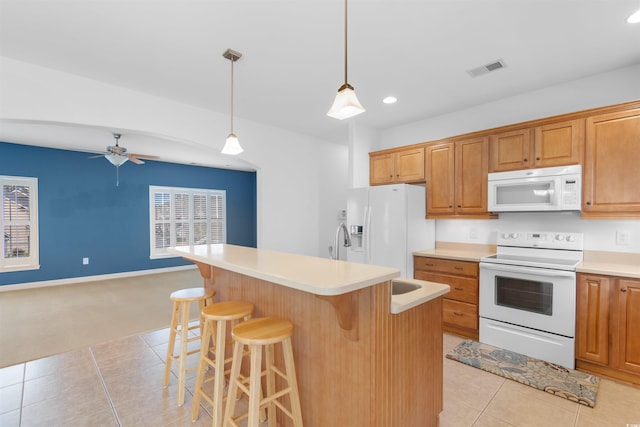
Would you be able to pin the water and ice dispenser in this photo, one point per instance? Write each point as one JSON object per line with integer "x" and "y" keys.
{"x": 356, "y": 238}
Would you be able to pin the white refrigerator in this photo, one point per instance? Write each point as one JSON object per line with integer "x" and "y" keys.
{"x": 387, "y": 224}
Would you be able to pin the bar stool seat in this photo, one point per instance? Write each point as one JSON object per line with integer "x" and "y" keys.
{"x": 216, "y": 317}
{"x": 256, "y": 334}
{"x": 180, "y": 328}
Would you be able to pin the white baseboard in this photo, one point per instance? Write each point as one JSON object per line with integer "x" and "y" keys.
{"x": 58, "y": 282}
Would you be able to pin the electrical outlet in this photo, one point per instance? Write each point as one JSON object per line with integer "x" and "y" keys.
{"x": 85, "y": 261}
{"x": 623, "y": 237}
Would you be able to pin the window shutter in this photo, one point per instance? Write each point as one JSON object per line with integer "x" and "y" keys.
{"x": 185, "y": 216}
{"x": 19, "y": 223}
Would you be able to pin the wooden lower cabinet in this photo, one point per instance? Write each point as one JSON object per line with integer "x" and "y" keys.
{"x": 608, "y": 326}
{"x": 460, "y": 305}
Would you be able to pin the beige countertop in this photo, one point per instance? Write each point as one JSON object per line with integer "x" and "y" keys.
{"x": 611, "y": 264}
{"x": 458, "y": 251}
{"x": 320, "y": 276}
{"x": 426, "y": 291}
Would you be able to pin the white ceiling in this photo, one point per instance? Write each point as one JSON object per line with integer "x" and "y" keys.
{"x": 292, "y": 64}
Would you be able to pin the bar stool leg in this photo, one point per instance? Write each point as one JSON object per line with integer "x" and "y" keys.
{"x": 271, "y": 384}
{"x": 184, "y": 341}
{"x": 254, "y": 385}
{"x": 292, "y": 381}
{"x": 218, "y": 381}
{"x": 172, "y": 342}
{"x": 230, "y": 408}
{"x": 202, "y": 367}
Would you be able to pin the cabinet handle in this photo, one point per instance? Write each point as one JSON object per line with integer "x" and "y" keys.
{"x": 450, "y": 206}
{"x": 623, "y": 289}
{"x": 459, "y": 289}
{"x": 429, "y": 265}
{"x": 457, "y": 268}
{"x": 459, "y": 206}
{"x": 537, "y": 158}
{"x": 525, "y": 159}
{"x": 588, "y": 203}
{"x": 457, "y": 313}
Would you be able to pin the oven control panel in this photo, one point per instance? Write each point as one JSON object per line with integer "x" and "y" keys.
{"x": 541, "y": 239}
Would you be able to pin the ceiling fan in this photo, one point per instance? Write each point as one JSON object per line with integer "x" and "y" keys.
{"x": 117, "y": 155}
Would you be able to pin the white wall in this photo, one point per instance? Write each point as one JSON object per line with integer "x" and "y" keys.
{"x": 599, "y": 90}
{"x": 295, "y": 190}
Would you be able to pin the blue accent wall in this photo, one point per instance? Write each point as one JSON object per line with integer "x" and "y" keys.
{"x": 82, "y": 213}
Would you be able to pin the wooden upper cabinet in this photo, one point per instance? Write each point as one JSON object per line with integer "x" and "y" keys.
{"x": 558, "y": 144}
{"x": 381, "y": 167}
{"x": 554, "y": 144}
{"x": 592, "y": 323}
{"x": 611, "y": 178}
{"x": 472, "y": 165}
{"x": 510, "y": 150}
{"x": 392, "y": 167}
{"x": 457, "y": 177}
{"x": 440, "y": 179}
{"x": 626, "y": 338}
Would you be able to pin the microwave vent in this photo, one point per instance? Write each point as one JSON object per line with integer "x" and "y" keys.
{"x": 487, "y": 68}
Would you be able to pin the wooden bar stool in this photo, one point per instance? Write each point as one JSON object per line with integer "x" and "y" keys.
{"x": 180, "y": 327}
{"x": 256, "y": 334}
{"x": 216, "y": 317}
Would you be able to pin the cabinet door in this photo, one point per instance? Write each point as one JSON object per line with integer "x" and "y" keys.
{"x": 440, "y": 179}
{"x": 472, "y": 164}
{"x": 381, "y": 169}
{"x": 626, "y": 337}
{"x": 592, "y": 322}
{"x": 409, "y": 165}
{"x": 558, "y": 144}
{"x": 510, "y": 150}
{"x": 611, "y": 181}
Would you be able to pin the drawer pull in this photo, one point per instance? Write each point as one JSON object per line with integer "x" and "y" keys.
{"x": 458, "y": 268}
{"x": 623, "y": 290}
{"x": 429, "y": 265}
{"x": 459, "y": 289}
{"x": 457, "y": 313}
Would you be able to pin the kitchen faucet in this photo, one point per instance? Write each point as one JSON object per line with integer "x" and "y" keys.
{"x": 347, "y": 240}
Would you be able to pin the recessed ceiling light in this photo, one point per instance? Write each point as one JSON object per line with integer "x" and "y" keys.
{"x": 390, "y": 100}
{"x": 634, "y": 18}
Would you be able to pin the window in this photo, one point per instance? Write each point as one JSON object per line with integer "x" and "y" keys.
{"x": 19, "y": 223}
{"x": 185, "y": 216}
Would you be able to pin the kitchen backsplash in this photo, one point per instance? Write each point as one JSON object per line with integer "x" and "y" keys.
{"x": 599, "y": 235}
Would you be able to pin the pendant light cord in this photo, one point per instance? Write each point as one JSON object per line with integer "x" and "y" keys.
{"x": 232, "y": 61}
{"x": 345, "y": 42}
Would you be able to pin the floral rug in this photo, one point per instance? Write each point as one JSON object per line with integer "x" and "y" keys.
{"x": 573, "y": 385}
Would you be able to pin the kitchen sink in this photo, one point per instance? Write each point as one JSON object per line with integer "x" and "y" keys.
{"x": 399, "y": 288}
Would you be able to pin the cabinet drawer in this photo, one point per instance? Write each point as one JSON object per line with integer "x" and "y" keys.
{"x": 462, "y": 288}
{"x": 464, "y": 268}
{"x": 460, "y": 314}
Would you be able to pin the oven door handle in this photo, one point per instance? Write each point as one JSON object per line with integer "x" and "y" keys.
{"x": 526, "y": 270}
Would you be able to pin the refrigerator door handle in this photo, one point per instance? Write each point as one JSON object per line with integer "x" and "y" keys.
{"x": 366, "y": 237}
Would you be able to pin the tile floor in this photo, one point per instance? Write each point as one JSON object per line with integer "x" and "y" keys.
{"x": 119, "y": 383}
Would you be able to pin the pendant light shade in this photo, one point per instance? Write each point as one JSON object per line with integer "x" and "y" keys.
{"x": 116, "y": 159}
{"x": 232, "y": 145}
{"x": 346, "y": 103}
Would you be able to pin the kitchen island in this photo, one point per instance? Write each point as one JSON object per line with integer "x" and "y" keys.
{"x": 357, "y": 363}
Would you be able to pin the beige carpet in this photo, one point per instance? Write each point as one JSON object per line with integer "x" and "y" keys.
{"x": 35, "y": 323}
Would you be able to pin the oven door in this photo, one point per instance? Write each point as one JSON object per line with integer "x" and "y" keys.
{"x": 536, "y": 298}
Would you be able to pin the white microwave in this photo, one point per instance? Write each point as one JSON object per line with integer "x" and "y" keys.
{"x": 534, "y": 190}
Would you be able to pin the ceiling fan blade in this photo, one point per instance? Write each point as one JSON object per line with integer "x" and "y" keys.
{"x": 135, "y": 160}
{"x": 143, "y": 156}
{"x": 94, "y": 157}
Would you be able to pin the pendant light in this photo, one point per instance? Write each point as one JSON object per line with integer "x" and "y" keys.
{"x": 346, "y": 103}
{"x": 232, "y": 145}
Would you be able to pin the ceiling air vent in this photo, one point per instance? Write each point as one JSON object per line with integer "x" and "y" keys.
{"x": 486, "y": 69}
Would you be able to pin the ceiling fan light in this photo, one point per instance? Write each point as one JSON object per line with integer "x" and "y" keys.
{"x": 232, "y": 145}
{"x": 115, "y": 159}
{"x": 346, "y": 104}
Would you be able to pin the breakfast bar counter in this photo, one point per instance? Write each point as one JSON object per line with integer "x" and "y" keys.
{"x": 357, "y": 363}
